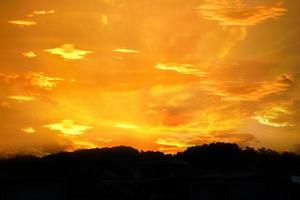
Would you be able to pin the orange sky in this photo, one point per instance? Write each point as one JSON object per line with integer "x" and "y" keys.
{"x": 156, "y": 75}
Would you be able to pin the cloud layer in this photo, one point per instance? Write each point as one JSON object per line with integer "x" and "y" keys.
{"x": 240, "y": 12}
{"x": 156, "y": 75}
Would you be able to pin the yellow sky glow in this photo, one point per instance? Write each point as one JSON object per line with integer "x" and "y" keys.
{"x": 22, "y": 98}
{"x": 156, "y": 75}
{"x": 29, "y": 54}
{"x": 68, "y": 127}
{"x": 22, "y": 22}
{"x": 28, "y": 130}
{"x": 125, "y": 50}
{"x": 68, "y": 52}
{"x": 127, "y": 126}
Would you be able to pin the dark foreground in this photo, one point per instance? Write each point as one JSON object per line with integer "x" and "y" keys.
{"x": 155, "y": 189}
{"x": 211, "y": 172}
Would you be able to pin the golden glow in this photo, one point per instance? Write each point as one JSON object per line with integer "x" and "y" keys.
{"x": 68, "y": 127}
{"x": 29, "y": 54}
{"x": 43, "y": 81}
{"x": 240, "y": 12}
{"x": 68, "y": 52}
{"x": 104, "y": 19}
{"x": 125, "y": 50}
{"x": 180, "y": 68}
{"x": 28, "y": 130}
{"x": 175, "y": 143}
{"x": 7, "y": 78}
{"x": 43, "y": 12}
{"x": 21, "y": 98}
{"x": 274, "y": 116}
{"x": 127, "y": 126}
{"x": 155, "y": 75}
{"x": 23, "y": 22}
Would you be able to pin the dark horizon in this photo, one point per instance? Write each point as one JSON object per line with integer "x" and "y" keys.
{"x": 212, "y": 157}
{"x": 217, "y": 171}
{"x": 257, "y": 149}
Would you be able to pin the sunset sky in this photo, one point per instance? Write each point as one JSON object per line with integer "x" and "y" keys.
{"x": 152, "y": 74}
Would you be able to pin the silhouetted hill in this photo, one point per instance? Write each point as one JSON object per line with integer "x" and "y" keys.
{"x": 127, "y": 162}
{"x": 126, "y": 173}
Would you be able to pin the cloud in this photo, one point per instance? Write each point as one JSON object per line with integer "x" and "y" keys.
{"x": 126, "y": 50}
{"x": 172, "y": 142}
{"x": 23, "y": 22}
{"x": 29, "y": 54}
{"x": 28, "y": 130}
{"x": 68, "y": 127}
{"x": 8, "y": 78}
{"x": 171, "y": 145}
{"x": 187, "y": 69}
{"x": 75, "y": 143}
{"x": 243, "y": 90}
{"x": 68, "y": 52}
{"x": 181, "y": 142}
{"x": 127, "y": 126}
{"x": 240, "y": 12}
{"x": 233, "y": 136}
{"x": 31, "y": 80}
{"x": 192, "y": 108}
{"x": 41, "y": 12}
{"x": 22, "y": 98}
{"x": 104, "y": 19}
{"x": 42, "y": 81}
{"x": 275, "y": 117}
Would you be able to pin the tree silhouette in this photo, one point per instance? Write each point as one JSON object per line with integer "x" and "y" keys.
{"x": 126, "y": 173}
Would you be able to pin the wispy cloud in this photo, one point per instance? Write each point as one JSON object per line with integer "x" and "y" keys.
{"x": 42, "y": 81}
{"x": 32, "y": 80}
{"x": 29, "y": 54}
{"x": 68, "y": 127}
{"x": 127, "y": 126}
{"x": 187, "y": 69}
{"x": 68, "y": 52}
{"x": 41, "y": 12}
{"x": 21, "y": 98}
{"x": 28, "y": 130}
{"x": 8, "y": 78}
{"x": 276, "y": 116}
{"x": 126, "y": 50}
{"x": 240, "y": 12}
{"x": 243, "y": 90}
{"x": 75, "y": 143}
{"x": 179, "y": 143}
{"x": 23, "y": 22}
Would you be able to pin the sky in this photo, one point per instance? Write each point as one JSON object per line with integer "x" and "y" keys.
{"x": 158, "y": 75}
